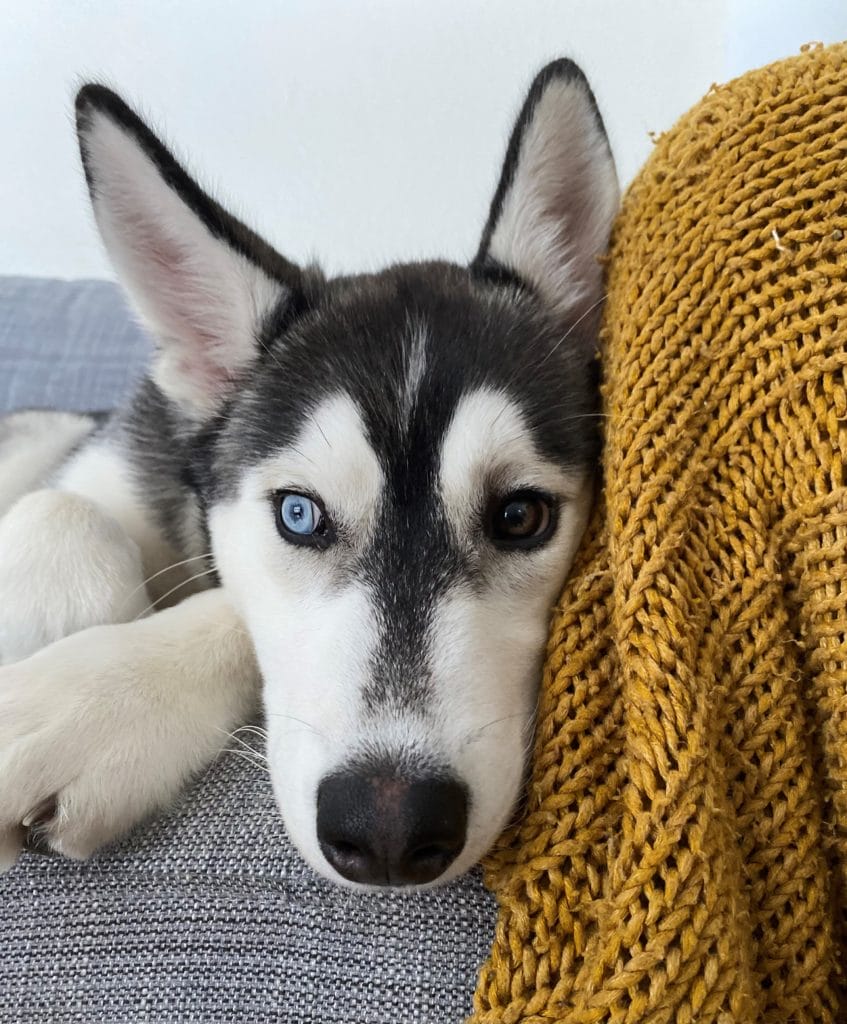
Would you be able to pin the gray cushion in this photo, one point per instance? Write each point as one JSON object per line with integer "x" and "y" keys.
{"x": 206, "y": 914}
{"x": 66, "y": 345}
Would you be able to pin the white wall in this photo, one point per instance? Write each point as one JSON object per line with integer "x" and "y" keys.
{"x": 356, "y": 132}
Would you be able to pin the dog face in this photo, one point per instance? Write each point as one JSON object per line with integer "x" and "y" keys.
{"x": 396, "y": 471}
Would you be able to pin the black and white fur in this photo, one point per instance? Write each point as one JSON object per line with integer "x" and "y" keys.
{"x": 398, "y": 666}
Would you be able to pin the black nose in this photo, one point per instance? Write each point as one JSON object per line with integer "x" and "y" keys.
{"x": 385, "y": 830}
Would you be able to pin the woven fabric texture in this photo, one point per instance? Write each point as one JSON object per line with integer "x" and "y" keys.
{"x": 683, "y": 854}
{"x": 209, "y": 916}
{"x": 66, "y": 345}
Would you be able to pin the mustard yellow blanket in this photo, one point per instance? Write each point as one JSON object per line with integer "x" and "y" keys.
{"x": 683, "y": 853}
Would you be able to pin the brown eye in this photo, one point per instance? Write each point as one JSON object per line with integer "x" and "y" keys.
{"x": 522, "y": 519}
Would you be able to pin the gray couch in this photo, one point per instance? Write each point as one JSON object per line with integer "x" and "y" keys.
{"x": 206, "y": 914}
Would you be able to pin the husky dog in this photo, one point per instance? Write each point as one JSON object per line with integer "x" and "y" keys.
{"x": 356, "y": 499}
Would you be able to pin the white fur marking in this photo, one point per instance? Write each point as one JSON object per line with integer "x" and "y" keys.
{"x": 416, "y": 360}
{"x": 332, "y": 458}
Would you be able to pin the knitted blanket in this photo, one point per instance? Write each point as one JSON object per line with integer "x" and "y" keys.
{"x": 683, "y": 853}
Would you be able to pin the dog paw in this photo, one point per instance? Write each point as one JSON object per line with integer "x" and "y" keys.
{"x": 61, "y": 777}
{"x": 92, "y": 741}
{"x": 104, "y": 728}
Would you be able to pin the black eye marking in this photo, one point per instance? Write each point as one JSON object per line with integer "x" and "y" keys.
{"x": 521, "y": 520}
{"x": 302, "y": 520}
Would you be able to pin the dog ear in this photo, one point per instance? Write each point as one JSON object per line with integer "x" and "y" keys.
{"x": 558, "y": 194}
{"x": 202, "y": 281}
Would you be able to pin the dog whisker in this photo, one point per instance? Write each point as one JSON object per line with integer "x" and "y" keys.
{"x": 321, "y": 432}
{"x": 173, "y": 565}
{"x": 303, "y": 455}
{"x": 474, "y": 734}
{"x": 161, "y": 572}
{"x": 300, "y": 721}
{"x": 574, "y": 419}
{"x": 244, "y": 746}
{"x": 256, "y": 730}
{"x": 267, "y": 350}
{"x": 173, "y": 590}
{"x": 261, "y": 765}
{"x": 572, "y": 328}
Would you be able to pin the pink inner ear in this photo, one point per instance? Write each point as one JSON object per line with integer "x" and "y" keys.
{"x": 183, "y": 304}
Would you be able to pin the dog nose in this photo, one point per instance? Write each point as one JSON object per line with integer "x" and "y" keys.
{"x": 387, "y": 830}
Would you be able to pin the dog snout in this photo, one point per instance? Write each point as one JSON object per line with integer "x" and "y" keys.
{"x": 389, "y": 830}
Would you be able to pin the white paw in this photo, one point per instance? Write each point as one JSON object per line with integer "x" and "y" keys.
{"x": 97, "y": 732}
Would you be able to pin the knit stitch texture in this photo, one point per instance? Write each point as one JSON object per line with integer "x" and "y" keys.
{"x": 683, "y": 854}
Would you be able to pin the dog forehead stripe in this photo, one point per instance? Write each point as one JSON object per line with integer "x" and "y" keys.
{"x": 416, "y": 363}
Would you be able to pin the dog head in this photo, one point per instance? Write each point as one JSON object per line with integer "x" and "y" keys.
{"x": 397, "y": 471}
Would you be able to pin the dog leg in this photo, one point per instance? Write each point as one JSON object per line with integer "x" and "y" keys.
{"x": 65, "y": 564}
{"x": 105, "y": 727}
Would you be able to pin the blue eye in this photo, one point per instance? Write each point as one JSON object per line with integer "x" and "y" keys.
{"x": 301, "y": 520}
{"x": 299, "y": 514}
